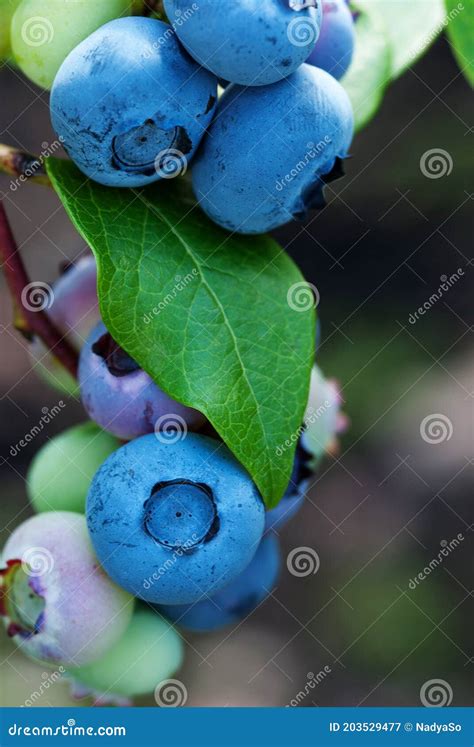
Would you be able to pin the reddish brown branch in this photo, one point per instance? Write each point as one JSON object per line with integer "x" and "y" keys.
{"x": 32, "y": 321}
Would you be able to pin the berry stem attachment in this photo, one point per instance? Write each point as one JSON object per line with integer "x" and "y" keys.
{"x": 21, "y": 165}
{"x": 153, "y": 6}
{"x": 30, "y": 322}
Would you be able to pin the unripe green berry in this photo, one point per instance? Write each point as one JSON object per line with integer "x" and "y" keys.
{"x": 61, "y": 472}
{"x": 149, "y": 652}
{"x": 43, "y": 32}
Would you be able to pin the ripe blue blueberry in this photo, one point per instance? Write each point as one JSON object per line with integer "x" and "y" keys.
{"x": 252, "y": 43}
{"x": 295, "y": 493}
{"x": 130, "y": 104}
{"x": 335, "y": 46}
{"x": 120, "y": 397}
{"x": 270, "y": 150}
{"x": 236, "y": 600}
{"x": 171, "y": 521}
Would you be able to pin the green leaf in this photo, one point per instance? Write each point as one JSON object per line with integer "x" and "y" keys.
{"x": 370, "y": 70}
{"x": 412, "y": 26}
{"x": 204, "y": 312}
{"x": 460, "y": 31}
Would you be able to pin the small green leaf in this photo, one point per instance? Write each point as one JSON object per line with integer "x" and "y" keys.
{"x": 206, "y": 313}
{"x": 412, "y": 26}
{"x": 460, "y": 31}
{"x": 370, "y": 70}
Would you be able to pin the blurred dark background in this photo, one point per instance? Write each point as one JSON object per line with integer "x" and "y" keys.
{"x": 381, "y": 509}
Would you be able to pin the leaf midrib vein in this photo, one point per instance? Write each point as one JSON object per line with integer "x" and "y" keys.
{"x": 210, "y": 291}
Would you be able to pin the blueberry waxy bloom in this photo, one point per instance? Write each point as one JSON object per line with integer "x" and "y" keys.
{"x": 250, "y": 42}
{"x": 270, "y": 150}
{"x": 335, "y": 47}
{"x": 236, "y": 600}
{"x": 130, "y": 104}
{"x": 173, "y": 521}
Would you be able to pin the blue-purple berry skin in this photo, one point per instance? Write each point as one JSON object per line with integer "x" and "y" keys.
{"x": 335, "y": 47}
{"x": 74, "y": 311}
{"x": 235, "y": 601}
{"x": 318, "y": 334}
{"x": 253, "y": 43}
{"x": 120, "y": 397}
{"x": 171, "y": 521}
{"x": 268, "y": 150}
{"x": 75, "y": 308}
{"x": 295, "y": 493}
{"x": 129, "y": 100}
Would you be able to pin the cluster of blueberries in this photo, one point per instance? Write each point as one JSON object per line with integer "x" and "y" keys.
{"x": 130, "y": 536}
{"x": 138, "y": 99}
{"x": 140, "y": 525}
